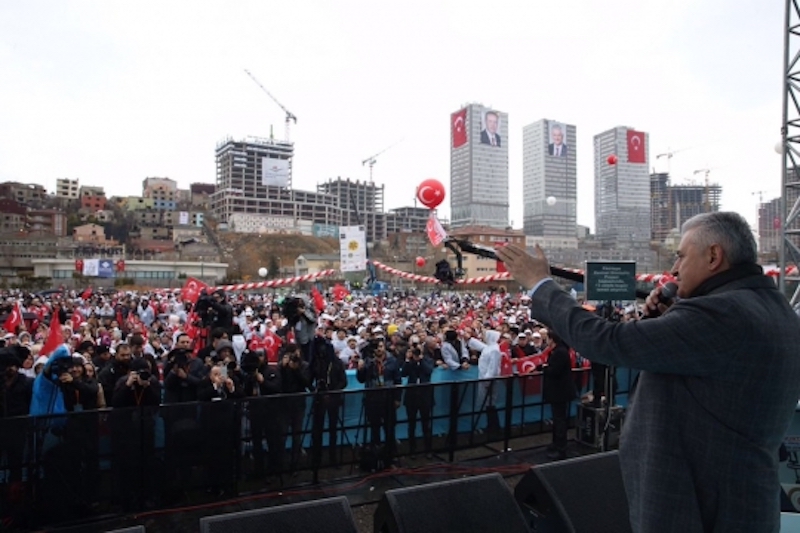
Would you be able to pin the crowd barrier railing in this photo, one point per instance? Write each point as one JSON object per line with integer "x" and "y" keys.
{"x": 55, "y": 469}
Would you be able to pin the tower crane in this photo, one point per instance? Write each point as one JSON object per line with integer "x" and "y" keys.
{"x": 290, "y": 117}
{"x": 760, "y": 196}
{"x": 707, "y": 202}
{"x": 371, "y": 160}
{"x": 669, "y": 154}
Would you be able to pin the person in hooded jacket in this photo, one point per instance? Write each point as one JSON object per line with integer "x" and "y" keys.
{"x": 488, "y": 368}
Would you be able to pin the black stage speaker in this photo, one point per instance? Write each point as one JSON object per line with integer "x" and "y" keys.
{"x": 331, "y": 515}
{"x": 132, "y": 529}
{"x": 479, "y": 504}
{"x": 581, "y": 495}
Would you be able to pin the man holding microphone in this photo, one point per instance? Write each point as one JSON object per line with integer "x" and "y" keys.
{"x": 719, "y": 381}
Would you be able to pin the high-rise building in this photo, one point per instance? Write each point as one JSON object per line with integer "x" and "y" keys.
{"x": 549, "y": 171}
{"x": 769, "y": 227}
{"x": 479, "y": 167}
{"x": 622, "y": 188}
{"x": 672, "y": 205}
{"x": 361, "y": 204}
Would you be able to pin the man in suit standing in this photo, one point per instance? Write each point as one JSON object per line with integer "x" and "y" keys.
{"x": 557, "y": 147}
{"x": 719, "y": 381}
{"x": 491, "y": 122}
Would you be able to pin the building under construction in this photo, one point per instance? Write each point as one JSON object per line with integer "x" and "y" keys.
{"x": 361, "y": 204}
{"x": 672, "y": 205}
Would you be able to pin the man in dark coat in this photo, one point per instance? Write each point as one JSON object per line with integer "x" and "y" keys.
{"x": 418, "y": 399}
{"x": 16, "y": 391}
{"x": 328, "y": 375}
{"x": 719, "y": 381}
{"x": 558, "y": 391}
{"x": 381, "y": 375}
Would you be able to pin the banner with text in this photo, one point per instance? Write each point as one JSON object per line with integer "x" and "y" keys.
{"x": 352, "y": 248}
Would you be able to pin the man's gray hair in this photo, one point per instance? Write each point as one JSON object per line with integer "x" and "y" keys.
{"x": 730, "y": 230}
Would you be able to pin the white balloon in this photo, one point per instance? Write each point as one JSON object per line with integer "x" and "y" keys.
{"x": 779, "y": 147}
{"x": 551, "y": 200}
{"x": 263, "y": 272}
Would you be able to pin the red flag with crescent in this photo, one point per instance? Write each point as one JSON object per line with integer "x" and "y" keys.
{"x": 319, "y": 301}
{"x": 458, "y": 121}
{"x": 531, "y": 384}
{"x": 76, "y": 319}
{"x": 435, "y": 231}
{"x": 636, "y": 147}
{"x": 339, "y": 292}
{"x": 14, "y": 319}
{"x": 55, "y": 337}
{"x": 191, "y": 290}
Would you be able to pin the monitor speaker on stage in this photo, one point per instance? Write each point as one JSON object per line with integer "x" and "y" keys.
{"x": 330, "y": 515}
{"x": 581, "y": 495}
{"x": 479, "y": 504}
{"x": 132, "y": 529}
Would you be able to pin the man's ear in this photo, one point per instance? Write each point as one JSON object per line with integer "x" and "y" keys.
{"x": 716, "y": 257}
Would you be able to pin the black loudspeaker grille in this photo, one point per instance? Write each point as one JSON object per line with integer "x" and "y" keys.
{"x": 331, "y": 515}
{"x": 475, "y": 504}
{"x": 132, "y": 529}
{"x": 581, "y": 495}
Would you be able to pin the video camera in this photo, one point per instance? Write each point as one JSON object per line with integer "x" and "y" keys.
{"x": 250, "y": 363}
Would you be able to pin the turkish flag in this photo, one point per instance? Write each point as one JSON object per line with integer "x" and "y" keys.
{"x": 500, "y": 267}
{"x": 776, "y": 223}
{"x": 319, "y": 301}
{"x": 458, "y": 121}
{"x": 121, "y": 266}
{"x": 79, "y": 265}
{"x": 435, "y": 231}
{"x": 55, "y": 337}
{"x": 86, "y": 294}
{"x": 191, "y": 290}
{"x": 14, "y": 319}
{"x": 76, "y": 318}
{"x": 271, "y": 344}
{"x": 339, "y": 292}
{"x": 506, "y": 366}
{"x": 636, "y": 147}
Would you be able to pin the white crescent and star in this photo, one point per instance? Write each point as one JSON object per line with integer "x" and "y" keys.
{"x": 528, "y": 367}
{"x": 635, "y": 142}
{"x": 422, "y": 196}
{"x": 458, "y": 123}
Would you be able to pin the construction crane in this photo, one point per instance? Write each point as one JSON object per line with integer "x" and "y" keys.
{"x": 373, "y": 158}
{"x": 290, "y": 117}
{"x": 706, "y": 171}
{"x": 760, "y": 196}
{"x": 669, "y": 154}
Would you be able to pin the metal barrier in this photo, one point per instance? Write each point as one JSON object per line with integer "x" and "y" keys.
{"x": 75, "y": 466}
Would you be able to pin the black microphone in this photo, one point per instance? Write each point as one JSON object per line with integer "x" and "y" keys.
{"x": 668, "y": 293}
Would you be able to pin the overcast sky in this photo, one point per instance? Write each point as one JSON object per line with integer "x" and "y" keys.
{"x": 114, "y": 91}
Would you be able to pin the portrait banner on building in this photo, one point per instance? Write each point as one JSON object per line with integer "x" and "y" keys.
{"x": 352, "y": 249}
{"x": 274, "y": 171}
{"x": 183, "y": 218}
{"x": 91, "y": 267}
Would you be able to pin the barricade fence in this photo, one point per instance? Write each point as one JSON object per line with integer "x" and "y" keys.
{"x": 59, "y": 468}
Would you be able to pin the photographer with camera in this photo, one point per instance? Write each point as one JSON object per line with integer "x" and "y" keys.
{"x": 135, "y": 400}
{"x": 220, "y": 425}
{"x": 259, "y": 381}
{"x": 380, "y": 373}
{"x": 328, "y": 375}
{"x": 301, "y": 319}
{"x": 295, "y": 379}
{"x": 419, "y": 400}
{"x": 214, "y": 310}
{"x": 114, "y": 370}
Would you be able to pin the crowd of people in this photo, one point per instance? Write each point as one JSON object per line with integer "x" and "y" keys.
{"x": 150, "y": 349}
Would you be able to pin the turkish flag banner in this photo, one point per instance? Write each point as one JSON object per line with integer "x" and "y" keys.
{"x": 500, "y": 267}
{"x": 55, "y": 337}
{"x": 636, "y": 147}
{"x": 14, "y": 319}
{"x": 458, "y": 122}
{"x": 191, "y": 290}
{"x": 435, "y": 231}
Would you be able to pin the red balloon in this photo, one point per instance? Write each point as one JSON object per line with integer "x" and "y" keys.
{"x": 612, "y": 159}
{"x": 430, "y": 193}
{"x": 420, "y": 261}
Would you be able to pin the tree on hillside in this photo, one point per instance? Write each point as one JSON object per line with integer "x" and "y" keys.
{"x": 274, "y": 267}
